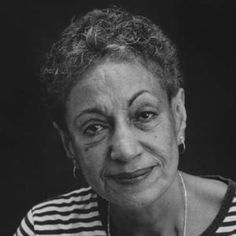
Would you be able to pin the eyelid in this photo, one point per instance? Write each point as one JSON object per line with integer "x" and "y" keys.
{"x": 153, "y": 111}
{"x": 86, "y": 122}
{"x": 154, "y": 114}
{"x": 86, "y": 125}
{"x": 86, "y": 128}
{"x": 89, "y": 115}
{"x": 148, "y": 108}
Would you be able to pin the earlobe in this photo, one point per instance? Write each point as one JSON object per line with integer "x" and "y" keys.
{"x": 180, "y": 116}
{"x": 66, "y": 141}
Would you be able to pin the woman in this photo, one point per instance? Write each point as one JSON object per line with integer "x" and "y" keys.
{"x": 115, "y": 92}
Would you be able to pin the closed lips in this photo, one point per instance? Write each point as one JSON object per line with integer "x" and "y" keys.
{"x": 131, "y": 175}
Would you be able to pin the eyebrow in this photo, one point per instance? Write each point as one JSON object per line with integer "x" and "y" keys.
{"x": 96, "y": 110}
{"x": 132, "y": 99}
{"x": 90, "y": 111}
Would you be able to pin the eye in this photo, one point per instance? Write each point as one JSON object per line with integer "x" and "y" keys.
{"x": 146, "y": 116}
{"x": 93, "y": 129}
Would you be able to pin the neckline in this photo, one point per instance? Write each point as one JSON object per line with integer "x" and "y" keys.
{"x": 211, "y": 229}
{"x": 225, "y": 205}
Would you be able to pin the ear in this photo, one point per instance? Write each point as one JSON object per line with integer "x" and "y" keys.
{"x": 179, "y": 113}
{"x": 66, "y": 141}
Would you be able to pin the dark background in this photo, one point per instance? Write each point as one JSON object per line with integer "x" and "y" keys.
{"x": 33, "y": 163}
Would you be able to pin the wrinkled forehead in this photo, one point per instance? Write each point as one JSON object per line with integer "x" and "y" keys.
{"x": 126, "y": 57}
{"x": 113, "y": 81}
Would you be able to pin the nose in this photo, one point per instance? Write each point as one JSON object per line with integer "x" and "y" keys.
{"x": 124, "y": 145}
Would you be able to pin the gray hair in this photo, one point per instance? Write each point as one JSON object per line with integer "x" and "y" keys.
{"x": 113, "y": 33}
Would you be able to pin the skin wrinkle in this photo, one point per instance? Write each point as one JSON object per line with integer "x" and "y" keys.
{"x": 134, "y": 130}
{"x": 155, "y": 156}
{"x": 100, "y": 64}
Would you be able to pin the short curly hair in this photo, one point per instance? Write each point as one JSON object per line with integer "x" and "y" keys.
{"x": 110, "y": 32}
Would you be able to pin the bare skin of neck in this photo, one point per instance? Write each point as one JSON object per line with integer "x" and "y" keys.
{"x": 165, "y": 216}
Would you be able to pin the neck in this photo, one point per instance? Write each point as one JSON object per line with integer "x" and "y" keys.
{"x": 165, "y": 216}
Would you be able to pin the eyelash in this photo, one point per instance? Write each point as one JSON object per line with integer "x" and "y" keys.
{"x": 151, "y": 115}
{"x": 88, "y": 130}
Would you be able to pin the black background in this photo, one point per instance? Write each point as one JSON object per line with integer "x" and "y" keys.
{"x": 33, "y": 163}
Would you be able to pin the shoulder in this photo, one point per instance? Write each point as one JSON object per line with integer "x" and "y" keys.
{"x": 78, "y": 199}
{"x": 227, "y": 215}
{"x": 210, "y": 200}
{"x": 69, "y": 213}
{"x": 207, "y": 190}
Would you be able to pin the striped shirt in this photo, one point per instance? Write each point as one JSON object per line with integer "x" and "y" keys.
{"x": 83, "y": 213}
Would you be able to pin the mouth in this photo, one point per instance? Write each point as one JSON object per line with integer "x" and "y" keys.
{"x": 127, "y": 178}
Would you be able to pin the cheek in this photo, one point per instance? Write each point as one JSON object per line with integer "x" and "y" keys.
{"x": 91, "y": 160}
{"x": 161, "y": 142}
{"x": 168, "y": 136}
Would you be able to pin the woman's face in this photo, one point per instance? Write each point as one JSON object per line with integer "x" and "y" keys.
{"x": 124, "y": 133}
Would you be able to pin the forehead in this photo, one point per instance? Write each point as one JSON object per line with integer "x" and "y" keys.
{"x": 113, "y": 81}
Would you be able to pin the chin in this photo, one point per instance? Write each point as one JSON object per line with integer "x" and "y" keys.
{"x": 137, "y": 198}
{"x": 136, "y": 193}
{"x": 136, "y": 201}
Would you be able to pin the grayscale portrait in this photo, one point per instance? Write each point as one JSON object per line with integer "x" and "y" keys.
{"x": 119, "y": 118}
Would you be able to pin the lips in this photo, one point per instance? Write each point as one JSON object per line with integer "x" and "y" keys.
{"x": 132, "y": 177}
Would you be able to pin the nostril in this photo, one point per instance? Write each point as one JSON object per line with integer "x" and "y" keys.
{"x": 124, "y": 145}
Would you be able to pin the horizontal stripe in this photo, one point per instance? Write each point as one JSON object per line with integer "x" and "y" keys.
{"x": 66, "y": 222}
{"x": 88, "y": 233}
{"x": 77, "y": 191}
{"x": 69, "y": 203}
{"x": 68, "y": 226}
{"x": 65, "y": 218}
{"x": 66, "y": 200}
{"x": 65, "y": 209}
{"x": 70, "y": 231}
{"x": 226, "y": 229}
{"x": 77, "y": 214}
{"x": 226, "y": 224}
{"x": 232, "y": 209}
{"x": 230, "y": 218}
{"x": 93, "y": 233}
{"x": 66, "y": 213}
{"x": 230, "y": 213}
